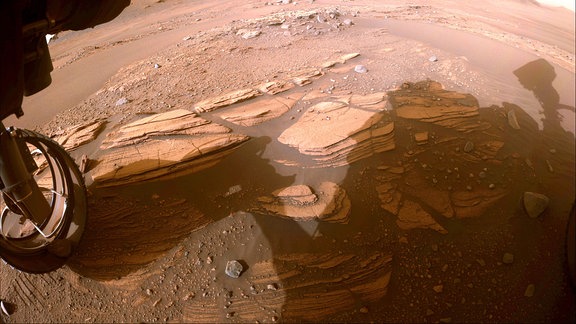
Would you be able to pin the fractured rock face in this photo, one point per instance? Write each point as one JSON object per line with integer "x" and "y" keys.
{"x": 340, "y": 282}
{"x": 303, "y": 77}
{"x": 163, "y": 145}
{"x": 342, "y": 131}
{"x": 225, "y": 100}
{"x": 176, "y": 122}
{"x": 274, "y": 87}
{"x": 473, "y": 204}
{"x": 427, "y": 101}
{"x": 76, "y": 136}
{"x": 411, "y": 215}
{"x": 329, "y": 203}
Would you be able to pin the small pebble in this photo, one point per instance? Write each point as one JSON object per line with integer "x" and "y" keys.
{"x": 433, "y": 58}
{"x": 121, "y": 101}
{"x": 508, "y": 258}
{"x": 360, "y": 69}
{"x": 468, "y": 147}
{"x": 530, "y": 290}
{"x": 272, "y": 287}
{"x": 233, "y": 269}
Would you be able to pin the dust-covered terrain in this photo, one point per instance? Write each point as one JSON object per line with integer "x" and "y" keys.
{"x": 362, "y": 161}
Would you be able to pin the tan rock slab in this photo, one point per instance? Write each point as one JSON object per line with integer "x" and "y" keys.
{"x": 390, "y": 197}
{"x": 258, "y": 112}
{"x": 225, "y": 100}
{"x": 416, "y": 185}
{"x": 79, "y": 135}
{"x": 421, "y": 138}
{"x": 342, "y": 59}
{"x": 165, "y": 158}
{"x": 336, "y": 134}
{"x": 348, "y": 56}
{"x": 163, "y": 145}
{"x": 304, "y": 76}
{"x": 428, "y": 102}
{"x": 475, "y": 203}
{"x": 329, "y": 203}
{"x": 274, "y": 87}
{"x": 411, "y": 216}
{"x": 176, "y": 122}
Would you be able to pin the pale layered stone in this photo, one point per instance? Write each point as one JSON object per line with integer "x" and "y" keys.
{"x": 342, "y": 281}
{"x": 429, "y": 102}
{"x": 79, "y": 135}
{"x": 225, "y": 100}
{"x": 335, "y": 133}
{"x": 475, "y": 203}
{"x": 258, "y": 112}
{"x": 175, "y": 122}
{"x": 274, "y": 87}
{"x": 304, "y": 77}
{"x": 328, "y": 203}
{"x": 162, "y": 146}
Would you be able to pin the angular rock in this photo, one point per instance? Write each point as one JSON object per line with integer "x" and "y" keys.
{"x": 335, "y": 134}
{"x": 421, "y": 138}
{"x": 121, "y": 101}
{"x": 475, "y": 203}
{"x": 530, "y": 289}
{"x": 79, "y": 135}
{"x": 233, "y": 269}
{"x": 360, "y": 69}
{"x": 247, "y": 34}
{"x": 389, "y": 196}
{"x": 225, "y": 100}
{"x": 508, "y": 258}
{"x": 257, "y": 112}
{"x": 411, "y": 216}
{"x": 535, "y": 203}
{"x": 274, "y": 87}
{"x": 304, "y": 77}
{"x": 330, "y": 203}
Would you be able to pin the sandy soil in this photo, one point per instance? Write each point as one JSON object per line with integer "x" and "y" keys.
{"x": 156, "y": 252}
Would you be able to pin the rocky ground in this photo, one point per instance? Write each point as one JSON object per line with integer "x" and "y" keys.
{"x": 361, "y": 161}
